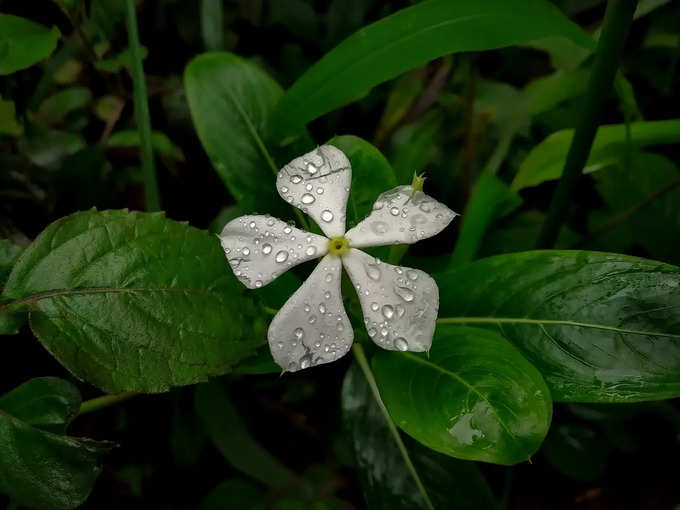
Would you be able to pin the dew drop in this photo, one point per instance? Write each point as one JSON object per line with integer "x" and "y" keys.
{"x": 387, "y": 311}
{"x": 394, "y": 211}
{"x": 319, "y": 191}
{"x": 329, "y": 278}
{"x": 306, "y": 361}
{"x": 384, "y": 332}
{"x": 405, "y": 293}
{"x": 307, "y": 308}
{"x": 296, "y": 179}
{"x": 400, "y": 311}
{"x": 281, "y": 256}
{"x": 327, "y": 216}
{"x": 270, "y": 222}
{"x": 258, "y": 283}
{"x": 401, "y": 344}
{"x": 327, "y": 294}
{"x": 317, "y": 344}
{"x": 412, "y": 275}
{"x": 379, "y": 204}
{"x": 311, "y": 167}
{"x": 322, "y": 308}
{"x": 379, "y": 227}
{"x": 279, "y": 345}
{"x": 287, "y": 229}
{"x": 307, "y": 198}
{"x": 375, "y": 306}
{"x": 284, "y": 189}
{"x": 310, "y": 251}
{"x": 252, "y": 224}
{"x": 372, "y": 272}
{"x": 372, "y": 332}
{"x": 245, "y": 251}
{"x": 312, "y": 319}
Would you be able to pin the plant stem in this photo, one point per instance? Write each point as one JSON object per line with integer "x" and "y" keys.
{"x": 617, "y": 20}
{"x": 360, "y": 356}
{"x": 151, "y": 195}
{"x": 98, "y": 403}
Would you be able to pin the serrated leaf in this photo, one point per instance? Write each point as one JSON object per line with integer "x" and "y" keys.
{"x": 24, "y": 43}
{"x": 409, "y": 38}
{"x": 45, "y": 471}
{"x": 600, "y": 327}
{"x": 384, "y": 477}
{"x": 133, "y": 301}
{"x": 47, "y": 403}
{"x": 475, "y": 397}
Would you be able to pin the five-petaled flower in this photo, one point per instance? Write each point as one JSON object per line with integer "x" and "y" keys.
{"x": 399, "y": 304}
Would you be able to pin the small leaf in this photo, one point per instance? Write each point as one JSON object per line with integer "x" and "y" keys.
{"x": 545, "y": 162}
{"x": 475, "y": 397}
{"x": 47, "y": 403}
{"x": 231, "y": 437}
{"x": 160, "y": 142}
{"x": 385, "y": 480}
{"x": 600, "y": 327}
{"x": 133, "y": 301}
{"x": 409, "y": 38}
{"x": 45, "y": 471}
{"x": 57, "y": 106}
{"x": 8, "y": 120}
{"x": 24, "y": 43}
{"x": 121, "y": 61}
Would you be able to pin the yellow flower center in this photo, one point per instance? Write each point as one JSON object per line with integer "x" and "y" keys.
{"x": 338, "y": 245}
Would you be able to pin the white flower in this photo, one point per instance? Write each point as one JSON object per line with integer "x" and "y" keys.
{"x": 399, "y": 304}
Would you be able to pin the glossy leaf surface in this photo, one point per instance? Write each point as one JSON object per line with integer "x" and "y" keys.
{"x": 385, "y": 479}
{"x": 475, "y": 397}
{"x": 134, "y": 301}
{"x": 600, "y": 327}
{"x": 24, "y": 43}
{"x": 408, "y": 39}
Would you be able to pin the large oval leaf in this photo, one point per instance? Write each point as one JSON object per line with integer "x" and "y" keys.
{"x": 475, "y": 397}
{"x": 545, "y": 162}
{"x": 134, "y": 301}
{"x": 24, "y": 43}
{"x": 408, "y": 39}
{"x": 600, "y": 327}
{"x": 385, "y": 478}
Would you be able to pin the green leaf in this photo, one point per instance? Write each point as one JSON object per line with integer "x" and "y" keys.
{"x": 47, "y": 403}
{"x": 644, "y": 189}
{"x": 8, "y": 119}
{"x": 230, "y": 99}
{"x": 546, "y": 160}
{"x": 475, "y": 397}
{"x": 408, "y": 39}
{"x": 384, "y": 477}
{"x": 122, "y": 60}
{"x": 24, "y": 43}
{"x": 491, "y": 199}
{"x": 575, "y": 450}
{"x": 545, "y": 93}
{"x": 231, "y": 437}
{"x": 412, "y": 147}
{"x": 45, "y": 471}
{"x": 57, "y": 106}
{"x": 159, "y": 141}
{"x": 600, "y": 327}
{"x": 48, "y": 148}
{"x": 212, "y": 24}
{"x": 133, "y": 301}
{"x": 233, "y": 493}
{"x": 371, "y": 175}
{"x": 9, "y": 253}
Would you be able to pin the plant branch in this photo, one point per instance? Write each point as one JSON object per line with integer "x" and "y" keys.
{"x": 89, "y": 406}
{"x": 617, "y": 20}
{"x": 360, "y": 356}
{"x": 151, "y": 194}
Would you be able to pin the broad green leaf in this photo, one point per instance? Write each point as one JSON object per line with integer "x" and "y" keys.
{"x": 545, "y": 93}
{"x": 261, "y": 363}
{"x": 8, "y": 119}
{"x": 24, "y": 43}
{"x": 134, "y": 301}
{"x": 491, "y": 199}
{"x": 230, "y": 100}
{"x": 160, "y": 142}
{"x": 371, "y": 175}
{"x": 230, "y": 435}
{"x": 47, "y": 403}
{"x": 384, "y": 477}
{"x": 546, "y": 160}
{"x": 45, "y": 471}
{"x": 57, "y": 106}
{"x": 474, "y": 397}
{"x": 9, "y": 253}
{"x": 600, "y": 327}
{"x": 403, "y": 95}
{"x": 409, "y": 38}
{"x": 646, "y": 188}
{"x": 414, "y": 146}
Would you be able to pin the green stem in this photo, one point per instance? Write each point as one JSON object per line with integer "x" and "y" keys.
{"x": 151, "y": 195}
{"x": 360, "y": 356}
{"x": 617, "y": 20}
{"x": 98, "y": 403}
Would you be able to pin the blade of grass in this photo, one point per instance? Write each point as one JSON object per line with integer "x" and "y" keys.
{"x": 151, "y": 195}
{"x": 617, "y": 20}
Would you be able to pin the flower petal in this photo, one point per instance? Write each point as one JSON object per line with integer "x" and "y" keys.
{"x": 401, "y": 215}
{"x": 318, "y": 183}
{"x": 260, "y": 248}
{"x": 312, "y": 328}
{"x": 400, "y": 304}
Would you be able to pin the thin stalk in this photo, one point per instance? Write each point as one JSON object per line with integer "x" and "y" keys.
{"x": 151, "y": 195}
{"x": 617, "y": 20}
{"x": 89, "y": 406}
{"x": 360, "y": 356}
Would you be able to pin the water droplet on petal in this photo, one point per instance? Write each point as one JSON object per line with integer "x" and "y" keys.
{"x": 327, "y": 216}
{"x": 299, "y": 333}
{"x": 252, "y": 224}
{"x": 379, "y": 204}
{"x": 296, "y": 179}
{"x": 284, "y": 189}
{"x": 372, "y": 272}
{"x": 306, "y": 361}
{"x": 405, "y": 293}
{"x": 379, "y": 227}
{"x": 319, "y": 191}
{"x": 400, "y": 311}
{"x": 372, "y": 332}
{"x": 375, "y": 306}
{"x": 327, "y": 295}
{"x": 329, "y": 278}
{"x": 281, "y": 256}
{"x": 322, "y": 308}
{"x": 311, "y": 167}
{"x": 245, "y": 251}
{"x": 310, "y": 251}
{"x": 312, "y": 319}
{"x": 387, "y": 311}
{"x": 258, "y": 283}
{"x": 266, "y": 249}
{"x": 401, "y": 344}
{"x": 287, "y": 229}
{"x": 412, "y": 275}
{"x": 307, "y": 198}
{"x": 394, "y": 211}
